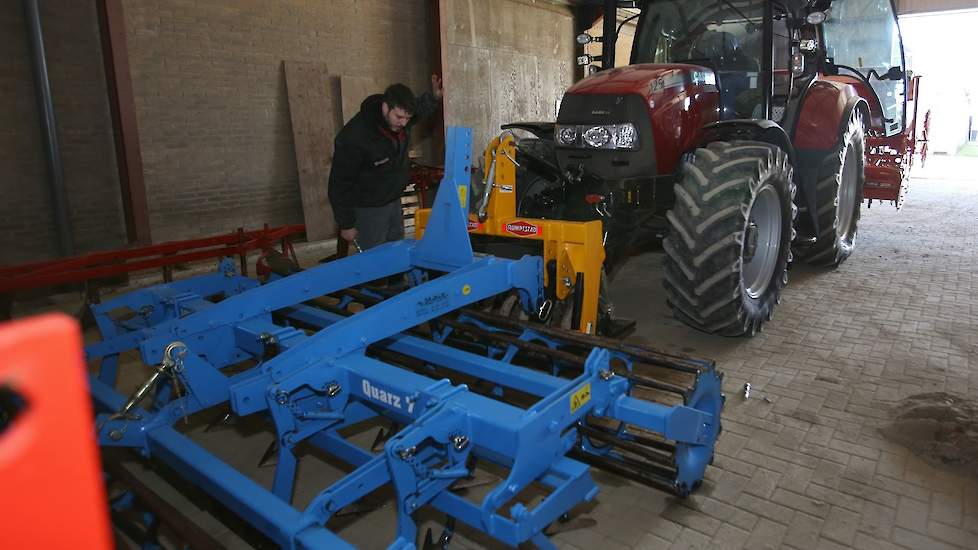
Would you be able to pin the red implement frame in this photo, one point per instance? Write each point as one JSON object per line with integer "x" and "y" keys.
{"x": 79, "y": 269}
{"x": 889, "y": 159}
{"x": 48, "y": 456}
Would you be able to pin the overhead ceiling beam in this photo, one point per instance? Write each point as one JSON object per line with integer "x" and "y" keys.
{"x": 907, "y": 7}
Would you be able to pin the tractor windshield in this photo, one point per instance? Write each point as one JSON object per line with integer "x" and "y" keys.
{"x": 725, "y": 35}
{"x": 863, "y": 35}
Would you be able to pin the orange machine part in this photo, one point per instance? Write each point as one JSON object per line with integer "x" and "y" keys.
{"x": 52, "y": 493}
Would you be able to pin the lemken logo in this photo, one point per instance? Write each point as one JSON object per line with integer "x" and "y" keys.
{"x": 522, "y": 229}
{"x": 386, "y": 397}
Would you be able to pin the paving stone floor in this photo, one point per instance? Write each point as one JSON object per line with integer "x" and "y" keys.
{"x": 810, "y": 470}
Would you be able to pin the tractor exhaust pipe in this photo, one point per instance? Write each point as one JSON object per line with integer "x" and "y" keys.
{"x": 609, "y": 34}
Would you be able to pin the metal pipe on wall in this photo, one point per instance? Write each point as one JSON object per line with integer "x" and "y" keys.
{"x": 49, "y": 128}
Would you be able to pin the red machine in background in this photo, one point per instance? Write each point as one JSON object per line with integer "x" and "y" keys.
{"x": 49, "y": 462}
{"x": 89, "y": 269}
{"x": 889, "y": 159}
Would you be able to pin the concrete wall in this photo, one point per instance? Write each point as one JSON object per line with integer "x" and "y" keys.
{"x": 504, "y": 61}
{"x": 27, "y": 230}
{"x": 211, "y": 106}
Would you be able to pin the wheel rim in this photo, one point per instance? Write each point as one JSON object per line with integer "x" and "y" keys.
{"x": 848, "y": 195}
{"x": 762, "y": 242}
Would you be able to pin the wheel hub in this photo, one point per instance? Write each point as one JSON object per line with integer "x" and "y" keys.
{"x": 848, "y": 196}
{"x": 762, "y": 242}
{"x": 750, "y": 240}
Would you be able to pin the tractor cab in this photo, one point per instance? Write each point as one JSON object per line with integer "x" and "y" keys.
{"x": 725, "y": 38}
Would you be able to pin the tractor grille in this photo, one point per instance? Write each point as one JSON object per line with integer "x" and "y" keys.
{"x": 603, "y": 109}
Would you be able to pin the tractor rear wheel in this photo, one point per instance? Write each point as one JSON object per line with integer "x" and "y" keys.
{"x": 730, "y": 232}
{"x": 838, "y": 197}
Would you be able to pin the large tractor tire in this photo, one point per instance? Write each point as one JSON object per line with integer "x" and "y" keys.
{"x": 838, "y": 197}
{"x": 730, "y": 232}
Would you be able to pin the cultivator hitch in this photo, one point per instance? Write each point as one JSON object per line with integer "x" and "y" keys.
{"x": 321, "y": 352}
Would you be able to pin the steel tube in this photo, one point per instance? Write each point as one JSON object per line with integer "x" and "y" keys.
{"x": 609, "y": 37}
{"x": 49, "y": 128}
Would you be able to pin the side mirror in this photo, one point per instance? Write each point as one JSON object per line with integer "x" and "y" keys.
{"x": 895, "y": 73}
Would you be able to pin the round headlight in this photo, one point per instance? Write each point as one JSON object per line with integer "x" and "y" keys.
{"x": 816, "y": 18}
{"x": 567, "y": 135}
{"x": 597, "y": 137}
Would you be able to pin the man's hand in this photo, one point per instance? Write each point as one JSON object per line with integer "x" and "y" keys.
{"x": 436, "y": 88}
{"x": 349, "y": 234}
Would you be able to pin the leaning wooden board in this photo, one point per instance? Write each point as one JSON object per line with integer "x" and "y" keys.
{"x": 311, "y": 109}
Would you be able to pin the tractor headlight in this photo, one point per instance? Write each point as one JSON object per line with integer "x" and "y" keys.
{"x": 598, "y": 137}
{"x": 627, "y": 137}
{"x": 606, "y": 136}
{"x": 567, "y": 135}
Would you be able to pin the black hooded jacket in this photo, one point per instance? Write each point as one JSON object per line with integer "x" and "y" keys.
{"x": 370, "y": 163}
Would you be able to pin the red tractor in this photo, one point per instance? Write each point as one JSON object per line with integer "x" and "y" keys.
{"x": 738, "y": 131}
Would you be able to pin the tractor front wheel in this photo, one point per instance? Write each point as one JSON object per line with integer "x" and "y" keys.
{"x": 730, "y": 232}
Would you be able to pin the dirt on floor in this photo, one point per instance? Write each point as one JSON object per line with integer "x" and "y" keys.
{"x": 940, "y": 428}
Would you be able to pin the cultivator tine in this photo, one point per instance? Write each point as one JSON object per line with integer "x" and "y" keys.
{"x": 478, "y": 480}
{"x": 224, "y": 421}
{"x": 363, "y": 507}
{"x": 571, "y": 524}
{"x": 443, "y": 540}
{"x": 270, "y": 456}
{"x": 383, "y": 435}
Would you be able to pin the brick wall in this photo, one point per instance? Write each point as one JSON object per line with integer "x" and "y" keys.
{"x": 27, "y": 230}
{"x": 211, "y": 99}
{"x": 211, "y": 107}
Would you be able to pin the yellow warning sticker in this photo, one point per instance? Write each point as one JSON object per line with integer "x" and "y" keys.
{"x": 463, "y": 193}
{"x": 466, "y": 290}
{"x": 580, "y": 397}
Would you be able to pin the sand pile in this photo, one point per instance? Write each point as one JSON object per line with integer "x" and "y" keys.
{"x": 940, "y": 428}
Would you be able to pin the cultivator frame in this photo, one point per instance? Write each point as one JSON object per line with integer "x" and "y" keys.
{"x": 355, "y": 367}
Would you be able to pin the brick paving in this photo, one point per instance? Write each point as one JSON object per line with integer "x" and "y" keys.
{"x": 809, "y": 469}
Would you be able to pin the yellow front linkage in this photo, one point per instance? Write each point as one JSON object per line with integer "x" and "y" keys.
{"x": 575, "y": 247}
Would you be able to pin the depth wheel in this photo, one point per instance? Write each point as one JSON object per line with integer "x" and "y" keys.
{"x": 730, "y": 231}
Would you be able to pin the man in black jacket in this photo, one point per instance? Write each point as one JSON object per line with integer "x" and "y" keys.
{"x": 370, "y": 164}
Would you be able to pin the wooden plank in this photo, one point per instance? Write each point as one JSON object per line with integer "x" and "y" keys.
{"x": 311, "y": 109}
{"x": 354, "y": 89}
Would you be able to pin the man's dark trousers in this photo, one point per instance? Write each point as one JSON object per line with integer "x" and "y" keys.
{"x": 377, "y": 225}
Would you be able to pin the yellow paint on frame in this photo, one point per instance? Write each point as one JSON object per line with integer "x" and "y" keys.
{"x": 463, "y": 193}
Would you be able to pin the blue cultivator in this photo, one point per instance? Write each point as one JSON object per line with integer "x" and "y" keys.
{"x": 463, "y": 386}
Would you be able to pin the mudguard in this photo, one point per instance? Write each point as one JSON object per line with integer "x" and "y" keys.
{"x": 822, "y": 120}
